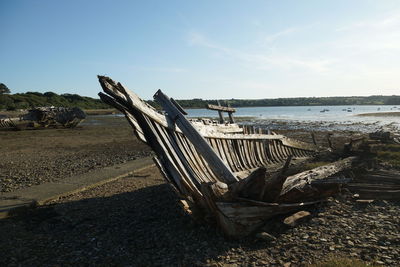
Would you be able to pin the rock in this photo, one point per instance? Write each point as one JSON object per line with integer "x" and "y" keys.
{"x": 265, "y": 236}
{"x": 297, "y": 218}
{"x": 365, "y": 201}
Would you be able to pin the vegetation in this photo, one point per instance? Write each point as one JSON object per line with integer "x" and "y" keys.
{"x": 296, "y": 101}
{"x": 4, "y": 89}
{"x": 35, "y": 99}
{"x": 389, "y": 153}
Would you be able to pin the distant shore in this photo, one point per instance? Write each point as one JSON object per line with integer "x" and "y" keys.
{"x": 380, "y": 114}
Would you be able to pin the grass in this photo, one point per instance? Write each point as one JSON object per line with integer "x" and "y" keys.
{"x": 389, "y": 153}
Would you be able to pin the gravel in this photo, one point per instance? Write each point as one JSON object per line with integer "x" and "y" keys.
{"x": 34, "y": 157}
{"x": 137, "y": 221}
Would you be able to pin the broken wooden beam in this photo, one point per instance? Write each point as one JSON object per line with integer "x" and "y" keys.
{"x": 221, "y": 108}
{"x": 304, "y": 185}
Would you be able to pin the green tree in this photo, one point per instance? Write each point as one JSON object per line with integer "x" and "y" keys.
{"x": 4, "y": 89}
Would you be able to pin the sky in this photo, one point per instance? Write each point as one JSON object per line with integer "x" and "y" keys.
{"x": 202, "y": 49}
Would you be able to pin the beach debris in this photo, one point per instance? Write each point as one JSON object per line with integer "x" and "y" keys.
{"x": 385, "y": 137}
{"x": 46, "y": 117}
{"x": 297, "y": 218}
{"x": 376, "y": 185}
{"x": 265, "y": 236}
{"x": 238, "y": 178}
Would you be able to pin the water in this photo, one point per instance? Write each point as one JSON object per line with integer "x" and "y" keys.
{"x": 333, "y": 117}
{"x": 302, "y": 117}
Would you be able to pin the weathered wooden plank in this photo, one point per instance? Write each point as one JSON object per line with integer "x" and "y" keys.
{"x": 223, "y": 144}
{"x": 216, "y": 164}
{"x": 169, "y": 151}
{"x": 235, "y": 157}
{"x": 239, "y": 152}
{"x": 249, "y": 154}
{"x": 190, "y": 158}
{"x": 270, "y": 152}
{"x": 208, "y": 172}
{"x": 301, "y": 186}
{"x": 220, "y": 108}
{"x": 278, "y": 154}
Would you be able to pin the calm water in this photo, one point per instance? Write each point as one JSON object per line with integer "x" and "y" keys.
{"x": 339, "y": 117}
{"x": 305, "y": 117}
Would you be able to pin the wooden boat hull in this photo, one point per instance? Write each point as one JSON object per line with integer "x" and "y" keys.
{"x": 212, "y": 169}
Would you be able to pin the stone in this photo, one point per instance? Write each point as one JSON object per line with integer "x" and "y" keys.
{"x": 265, "y": 236}
{"x": 297, "y": 218}
{"x": 365, "y": 201}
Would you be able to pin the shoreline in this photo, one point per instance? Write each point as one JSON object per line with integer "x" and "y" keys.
{"x": 380, "y": 114}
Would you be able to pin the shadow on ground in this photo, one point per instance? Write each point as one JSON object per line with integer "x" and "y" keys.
{"x": 143, "y": 227}
{"x": 137, "y": 221}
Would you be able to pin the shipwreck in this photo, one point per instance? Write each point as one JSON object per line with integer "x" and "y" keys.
{"x": 45, "y": 117}
{"x": 233, "y": 175}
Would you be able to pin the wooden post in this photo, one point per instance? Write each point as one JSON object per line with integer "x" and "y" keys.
{"x": 231, "y": 120}
{"x": 313, "y": 138}
{"x": 328, "y": 137}
{"x": 221, "y": 109}
{"x": 221, "y": 116}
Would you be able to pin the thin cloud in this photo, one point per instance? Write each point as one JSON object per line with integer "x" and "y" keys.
{"x": 261, "y": 60}
{"x": 273, "y": 37}
{"x": 160, "y": 69}
{"x": 383, "y": 23}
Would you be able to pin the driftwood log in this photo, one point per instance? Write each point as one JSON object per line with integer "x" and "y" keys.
{"x": 224, "y": 174}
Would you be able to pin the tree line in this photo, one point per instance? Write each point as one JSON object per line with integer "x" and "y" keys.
{"x": 34, "y": 99}
{"x": 295, "y": 101}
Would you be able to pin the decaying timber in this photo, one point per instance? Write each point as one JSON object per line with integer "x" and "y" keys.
{"x": 226, "y": 174}
{"x": 46, "y": 117}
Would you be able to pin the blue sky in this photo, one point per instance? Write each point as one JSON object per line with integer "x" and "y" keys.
{"x": 202, "y": 49}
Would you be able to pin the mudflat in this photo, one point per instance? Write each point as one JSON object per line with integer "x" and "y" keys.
{"x": 33, "y": 157}
{"x": 381, "y": 114}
